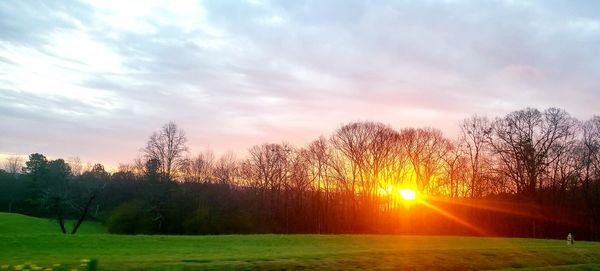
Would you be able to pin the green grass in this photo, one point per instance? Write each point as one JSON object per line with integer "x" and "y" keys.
{"x": 11, "y": 223}
{"x": 290, "y": 252}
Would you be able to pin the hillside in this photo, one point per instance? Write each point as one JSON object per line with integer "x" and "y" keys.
{"x": 11, "y": 223}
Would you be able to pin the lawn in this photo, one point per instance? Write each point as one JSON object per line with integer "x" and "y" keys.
{"x": 20, "y": 224}
{"x": 285, "y": 252}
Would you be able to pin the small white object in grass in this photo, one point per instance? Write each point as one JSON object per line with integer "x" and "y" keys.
{"x": 569, "y": 239}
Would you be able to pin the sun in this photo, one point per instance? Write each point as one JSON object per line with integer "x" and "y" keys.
{"x": 407, "y": 194}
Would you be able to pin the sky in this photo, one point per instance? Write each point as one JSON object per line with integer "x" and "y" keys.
{"x": 95, "y": 79}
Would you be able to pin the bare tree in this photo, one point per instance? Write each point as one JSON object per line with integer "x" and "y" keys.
{"x": 590, "y": 161}
{"x": 77, "y": 167}
{"x": 455, "y": 174}
{"x": 168, "y": 146}
{"x": 426, "y": 149}
{"x": 563, "y": 170}
{"x": 476, "y": 131}
{"x": 270, "y": 168}
{"x": 527, "y": 141}
{"x": 271, "y": 165}
{"x": 591, "y": 149}
{"x": 366, "y": 151}
{"x": 139, "y": 165}
{"x": 225, "y": 170}
{"x": 318, "y": 159}
{"x": 200, "y": 168}
{"x": 13, "y": 164}
{"x": 364, "y": 159}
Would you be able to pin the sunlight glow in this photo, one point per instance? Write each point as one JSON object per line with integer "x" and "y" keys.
{"x": 408, "y": 194}
{"x": 456, "y": 219}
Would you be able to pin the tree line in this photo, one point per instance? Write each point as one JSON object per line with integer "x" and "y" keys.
{"x": 529, "y": 173}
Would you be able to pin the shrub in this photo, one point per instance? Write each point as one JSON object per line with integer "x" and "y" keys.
{"x": 198, "y": 222}
{"x": 130, "y": 217}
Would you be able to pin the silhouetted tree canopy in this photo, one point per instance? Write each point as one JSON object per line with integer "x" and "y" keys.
{"x": 530, "y": 173}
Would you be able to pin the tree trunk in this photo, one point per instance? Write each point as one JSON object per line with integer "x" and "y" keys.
{"x": 83, "y": 215}
{"x": 59, "y": 215}
{"x": 61, "y": 222}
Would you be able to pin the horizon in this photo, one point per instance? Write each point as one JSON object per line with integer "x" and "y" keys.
{"x": 95, "y": 80}
{"x": 242, "y": 153}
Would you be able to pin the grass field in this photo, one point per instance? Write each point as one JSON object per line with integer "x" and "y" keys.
{"x": 22, "y": 224}
{"x": 26, "y": 239}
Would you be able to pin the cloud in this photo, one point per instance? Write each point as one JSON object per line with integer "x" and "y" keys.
{"x": 95, "y": 78}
